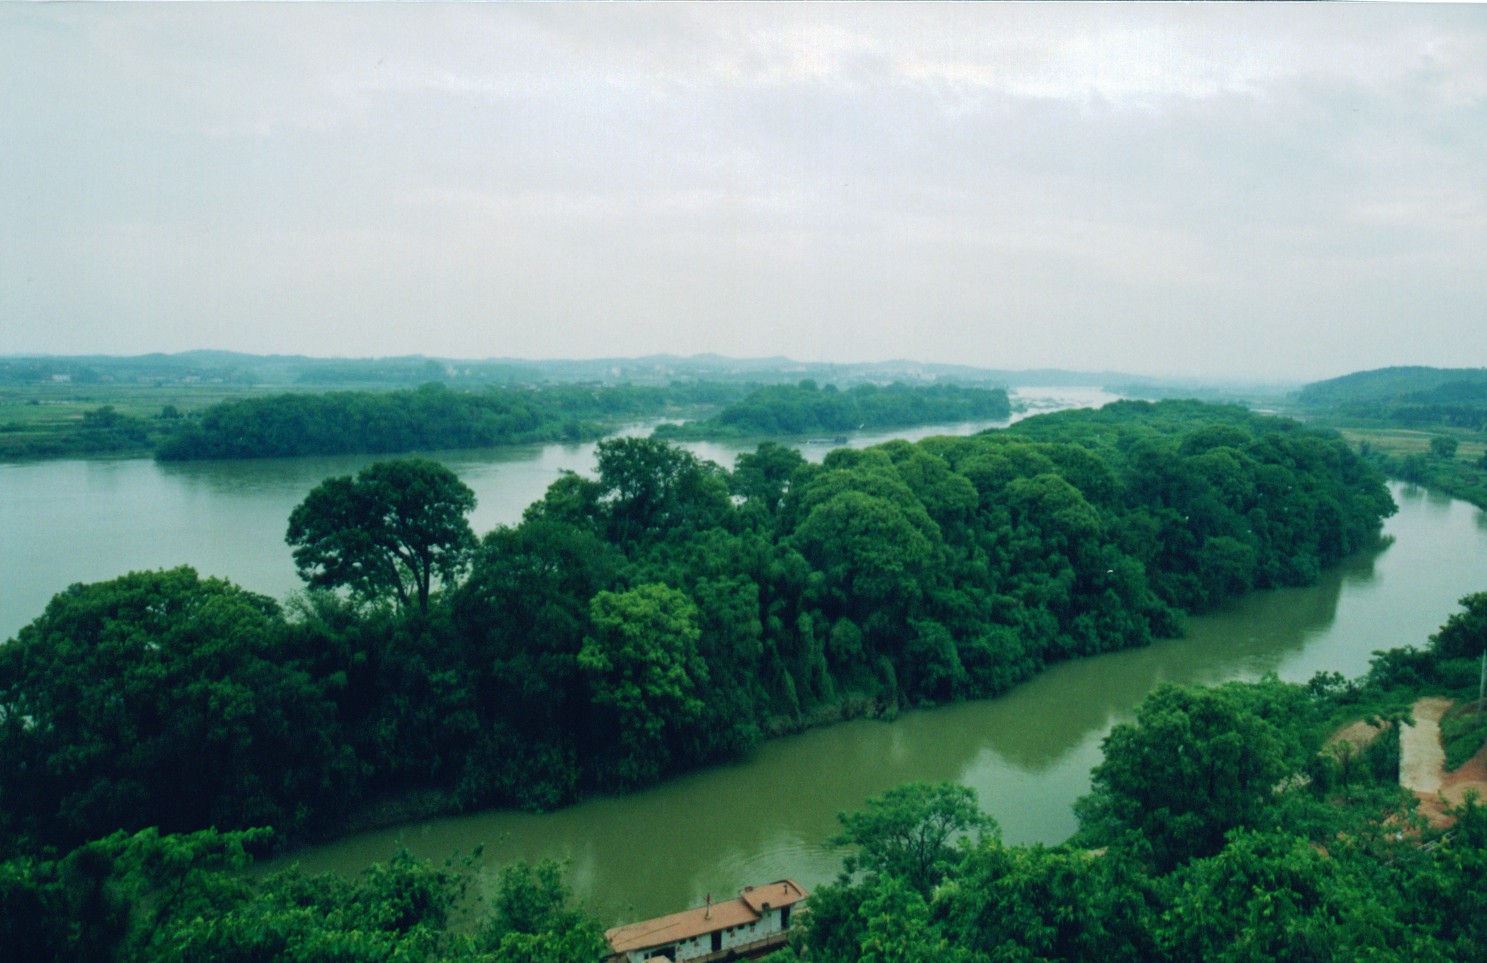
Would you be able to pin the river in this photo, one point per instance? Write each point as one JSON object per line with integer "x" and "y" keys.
{"x": 1027, "y": 754}
{"x": 86, "y": 520}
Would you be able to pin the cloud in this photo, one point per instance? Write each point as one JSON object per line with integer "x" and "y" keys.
{"x": 1172, "y": 188}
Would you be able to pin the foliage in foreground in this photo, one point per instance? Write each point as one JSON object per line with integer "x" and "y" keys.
{"x": 146, "y": 897}
{"x": 1268, "y": 846}
{"x": 1219, "y": 828}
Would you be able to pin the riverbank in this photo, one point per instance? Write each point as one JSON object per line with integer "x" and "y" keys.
{"x": 847, "y": 475}
{"x": 1027, "y": 753}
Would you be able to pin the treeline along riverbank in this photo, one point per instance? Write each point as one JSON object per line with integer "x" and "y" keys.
{"x": 806, "y": 409}
{"x": 661, "y": 615}
{"x": 198, "y": 424}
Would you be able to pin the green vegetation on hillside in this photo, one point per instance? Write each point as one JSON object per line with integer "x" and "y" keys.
{"x": 1421, "y": 425}
{"x": 1414, "y": 397}
{"x": 805, "y": 409}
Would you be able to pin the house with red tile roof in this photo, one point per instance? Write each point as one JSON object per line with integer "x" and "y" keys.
{"x": 756, "y": 922}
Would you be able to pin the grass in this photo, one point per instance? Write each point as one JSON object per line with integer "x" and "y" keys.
{"x": 1413, "y": 441}
{"x": 1463, "y": 732}
{"x": 43, "y": 420}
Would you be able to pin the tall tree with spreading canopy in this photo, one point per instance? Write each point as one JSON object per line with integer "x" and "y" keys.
{"x": 909, "y": 832}
{"x": 1194, "y": 765}
{"x": 393, "y": 529}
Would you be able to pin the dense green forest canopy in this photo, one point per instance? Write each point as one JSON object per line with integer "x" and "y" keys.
{"x": 665, "y": 613}
{"x": 808, "y": 409}
{"x": 1223, "y": 825}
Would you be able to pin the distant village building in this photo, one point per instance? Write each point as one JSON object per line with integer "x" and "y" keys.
{"x": 756, "y": 922}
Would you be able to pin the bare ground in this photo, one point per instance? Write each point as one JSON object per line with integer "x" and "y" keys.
{"x": 1358, "y": 735}
{"x": 1422, "y": 764}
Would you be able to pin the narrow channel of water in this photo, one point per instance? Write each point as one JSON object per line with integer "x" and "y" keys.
{"x": 1028, "y": 754}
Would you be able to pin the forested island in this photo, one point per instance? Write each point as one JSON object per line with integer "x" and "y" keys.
{"x": 664, "y": 614}
{"x": 223, "y": 424}
{"x": 807, "y": 409}
{"x": 428, "y": 418}
{"x": 218, "y": 405}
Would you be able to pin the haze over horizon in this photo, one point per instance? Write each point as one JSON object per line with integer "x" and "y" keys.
{"x": 1256, "y": 192}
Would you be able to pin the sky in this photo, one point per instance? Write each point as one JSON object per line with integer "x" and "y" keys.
{"x": 1264, "y": 191}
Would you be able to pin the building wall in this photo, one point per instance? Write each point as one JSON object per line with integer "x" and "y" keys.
{"x": 767, "y": 925}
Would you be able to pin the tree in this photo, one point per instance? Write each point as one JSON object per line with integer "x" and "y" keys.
{"x": 534, "y": 919}
{"x": 159, "y": 698}
{"x": 640, "y": 659}
{"x": 1464, "y": 636}
{"x": 1280, "y": 897}
{"x": 907, "y": 832}
{"x": 393, "y": 529}
{"x": 1443, "y": 447}
{"x": 762, "y": 477}
{"x": 649, "y": 488}
{"x": 1031, "y": 903}
{"x": 1195, "y": 764}
{"x": 896, "y": 927}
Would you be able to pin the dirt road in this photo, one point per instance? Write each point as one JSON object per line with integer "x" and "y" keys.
{"x": 1422, "y": 764}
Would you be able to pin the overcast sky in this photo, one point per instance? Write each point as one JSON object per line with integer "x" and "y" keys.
{"x": 1269, "y": 191}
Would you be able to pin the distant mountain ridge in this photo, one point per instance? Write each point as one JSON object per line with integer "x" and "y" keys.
{"x": 1385, "y": 383}
{"x": 232, "y": 367}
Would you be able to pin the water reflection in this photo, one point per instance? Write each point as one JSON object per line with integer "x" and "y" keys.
{"x": 1027, "y": 754}
{"x": 88, "y": 520}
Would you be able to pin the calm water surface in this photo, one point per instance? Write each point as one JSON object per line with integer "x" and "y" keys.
{"x": 89, "y": 520}
{"x": 1027, "y": 754}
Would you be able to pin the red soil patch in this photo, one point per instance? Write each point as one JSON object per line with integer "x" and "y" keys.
{"x": 1454, "y": 786}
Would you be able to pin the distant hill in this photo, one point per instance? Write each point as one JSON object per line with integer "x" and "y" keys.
{"x": 1385, "y": 383}
{"x": 1413, "y": 396}
{"x": 234, "y": 368}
